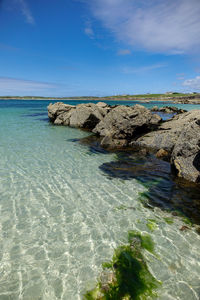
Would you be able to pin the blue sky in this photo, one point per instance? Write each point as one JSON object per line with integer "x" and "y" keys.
{"x": 99, "y": 47}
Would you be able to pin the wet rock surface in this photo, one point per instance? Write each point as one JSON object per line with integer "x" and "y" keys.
{"x": 120, "y": 126}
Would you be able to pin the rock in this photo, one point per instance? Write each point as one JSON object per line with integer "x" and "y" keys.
{"x": 124, "y": 122}
{"x": 186, "y": 153}
{"x": 109, "y": 142}
{"x": 168, "y": 109}
{"x": 184, "y": 228}
{"x": 64, "y": 118}
{"x": 177, "y": 139}
{"x": 87, "y": 116}
{"x": 162, "y": 154}
{"x": 180, "y": 137}
{"x": 58, "y": 108}
{"x": 155, "y": 108}
{"x": 102, "y": 104}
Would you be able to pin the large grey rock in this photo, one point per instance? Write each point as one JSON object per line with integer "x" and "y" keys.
{"x": 57, "y": 109}
{"x": 64, "y": 118}
{"x": 124, "y": 122}
{"x": 87, "y": 115}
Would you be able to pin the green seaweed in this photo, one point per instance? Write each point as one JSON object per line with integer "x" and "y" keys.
{"x": 93, "y": 294}
{"x": 121, "y": 207}
{"x": 145, "y": 240}
{"x": 106, "y": 265}
{"x": 187, "y": 221}
{"x": 169, "y": 220}
{"x": 151, "y": 226}
{"x": 129, "y": 277}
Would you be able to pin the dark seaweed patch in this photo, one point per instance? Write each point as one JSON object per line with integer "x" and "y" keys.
{"x": 164, "y": 190}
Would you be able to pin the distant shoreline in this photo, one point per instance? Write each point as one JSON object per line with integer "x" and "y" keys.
{"x": 147, "y": 98}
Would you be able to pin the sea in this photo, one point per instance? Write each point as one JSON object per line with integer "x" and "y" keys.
{"x": 66, "y": 205}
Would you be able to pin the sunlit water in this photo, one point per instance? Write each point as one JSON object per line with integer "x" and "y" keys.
{"x": 61, "y": 216}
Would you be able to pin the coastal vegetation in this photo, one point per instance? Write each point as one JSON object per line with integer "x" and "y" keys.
{"x": 127, "y": 97}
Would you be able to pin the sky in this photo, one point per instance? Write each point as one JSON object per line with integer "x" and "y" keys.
{"x": 59, "y": 48}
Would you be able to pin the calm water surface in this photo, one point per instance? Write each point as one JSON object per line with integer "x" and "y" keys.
{"x": 62, "y": 213}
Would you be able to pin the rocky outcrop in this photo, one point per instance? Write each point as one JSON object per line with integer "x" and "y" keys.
{"x": 82, "y": 116}
{"x": 58, "y": 111}
{"x": 124, "y": 123}
{"x": 180, "y": 138}
{"x": 119, "y": 122}
{"x": 177, "y": 140}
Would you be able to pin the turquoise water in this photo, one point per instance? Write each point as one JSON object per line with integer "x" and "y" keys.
{"x": 61, "y": 215}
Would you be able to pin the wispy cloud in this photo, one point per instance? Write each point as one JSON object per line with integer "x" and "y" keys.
{"x": 143, "y": 69}
{"x": 26, "y": 12}
{"x": 123, "y": 52}
{"x": 193, "y": 83}
{"x": 8, "y": 85}
{"x": 171, "y": 26}
{"x": 89, "y": 30}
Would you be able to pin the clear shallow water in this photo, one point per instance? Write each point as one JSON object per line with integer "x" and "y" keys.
{"x": 61, "y": 216}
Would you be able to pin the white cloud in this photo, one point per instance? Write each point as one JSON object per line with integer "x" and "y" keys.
{"x": 123, "y": 52}
{"x": 26, "y": 11}
{"x": 193, "y": 83}
{"x": 8, "y": 85}
{"x": 134, "y": 70}
{"x": 89, "y": 30}
{"x": 171, "y": 26}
